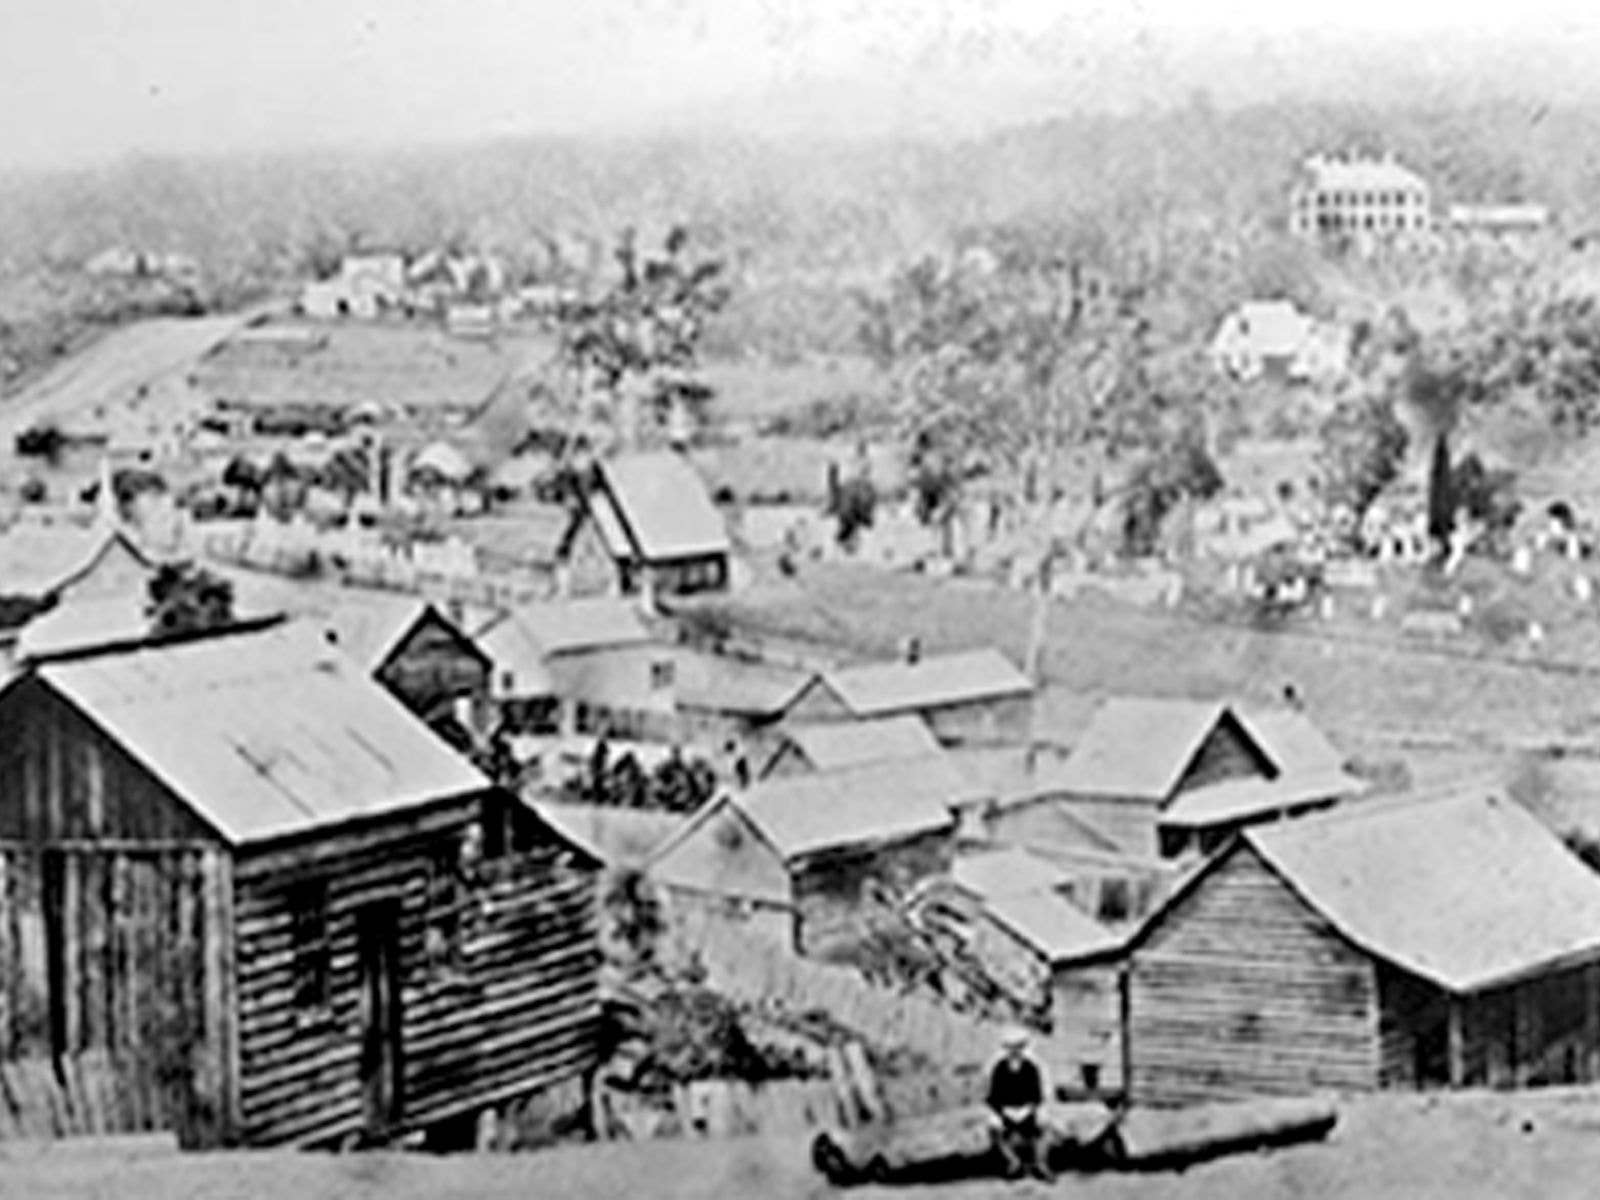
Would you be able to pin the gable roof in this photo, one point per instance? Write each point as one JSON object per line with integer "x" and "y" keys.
{"x": 368, "y": 624}
{"x": 835, "y": 744}
{"x": 1290, "y": 739}
{"x": 37, "y": 560}
{"x": 877, "y": 689}
{"x": 1006, "y": 871}
{"x": 522, "y": 641}
{"x": 1054, "y": 926}
{"x": 1229, "y": 801}
{"x": 264, "y": 734}
{"x": 661, "y": 506}
{"x": 1139, "y": 746}
{"x": 1468, "y": 890}
{"x": 882, "y": 801}
{"x": 723, "y": 683}
{"x": 616, "y": 836}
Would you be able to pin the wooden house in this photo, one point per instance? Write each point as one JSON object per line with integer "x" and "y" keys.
{"x": 969, "y": 697}
{"x": 735, "y": 706}
{"x": 1167, "y": 776}
{"x": 836, "y": 744}
{"x": 416, "y": 651}
{"x": 584, "y": 666}
{"x": 652, "y": 518}
{"x": 250, "y": 897}
{"x": 1447, "y": 941}
{"x": 819, "y": 849}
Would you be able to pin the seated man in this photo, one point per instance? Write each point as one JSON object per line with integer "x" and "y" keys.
{"x": 1016, "y": 1093}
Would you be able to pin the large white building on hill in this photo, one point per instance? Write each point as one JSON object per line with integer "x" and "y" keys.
{"x": 1336, "y": 196}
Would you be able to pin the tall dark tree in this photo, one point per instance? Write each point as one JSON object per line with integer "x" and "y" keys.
{"x": 1441, "y": 494}
{"x": 185, "y": 598}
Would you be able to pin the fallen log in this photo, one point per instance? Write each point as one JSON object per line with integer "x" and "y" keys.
{"x": 1148, "y": 1139}
{"x": 953, "y": 1144}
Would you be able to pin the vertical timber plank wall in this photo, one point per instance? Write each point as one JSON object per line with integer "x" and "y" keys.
{"x": 1242, "y": 990}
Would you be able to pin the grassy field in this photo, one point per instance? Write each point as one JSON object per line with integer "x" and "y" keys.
{"x": 1483, "y": 1146}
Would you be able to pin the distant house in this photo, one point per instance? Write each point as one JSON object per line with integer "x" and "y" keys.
{"x": 1360, "y": 197}
{"x": 835, "y": 744}
{"x": 650, "y": 516}
{"x": 416, "y": 651}
{"x": 819, "y": 851}
{"x": 1272, "y": 339}
{"x": 971, "y": 696}
{"x": 1449, "y": 941}
{"x": 259, "y": 902}
{"x": 1166, "y": 776}
{"x": 587, "y": 666}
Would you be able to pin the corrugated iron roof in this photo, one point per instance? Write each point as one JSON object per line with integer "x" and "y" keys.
{"x": 823, "y": 810}
{"x": 1054, "y": 926}
{"x": 265, "y": 734}
{"x": 876, "y": 689}
{"x": 664, "y": 505}
{"x": 1138, "y": 746}
{"x": 846, "y": 743}
{"x": 1467, "y": 890}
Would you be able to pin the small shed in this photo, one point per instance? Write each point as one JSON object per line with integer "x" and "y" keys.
{"x": 246, "y": 895}
{"x": 832, "y": 745}
{"x": 1450, "y": 940}
{"x": 823, "y": 848}
{"x": 970, "y": 696}
{"x": 655, "y": 519}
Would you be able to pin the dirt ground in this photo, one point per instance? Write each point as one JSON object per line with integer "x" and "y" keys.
{"x": 1489, "y": 1146}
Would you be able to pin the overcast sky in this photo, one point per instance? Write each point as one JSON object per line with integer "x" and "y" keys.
{"x": 86, "y": 79}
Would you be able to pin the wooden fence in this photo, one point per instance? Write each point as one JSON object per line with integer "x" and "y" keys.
{"x": 80, "y": 1095}
{"x": 756, "y": 969}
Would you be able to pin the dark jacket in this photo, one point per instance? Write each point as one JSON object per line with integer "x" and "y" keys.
{"x": 1015, "y": 1086}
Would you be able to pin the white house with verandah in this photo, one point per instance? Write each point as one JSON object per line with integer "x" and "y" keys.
{"x": 1359, "y": 195}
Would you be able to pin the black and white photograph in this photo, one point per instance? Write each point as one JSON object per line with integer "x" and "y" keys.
{"x": 788, "y": 599}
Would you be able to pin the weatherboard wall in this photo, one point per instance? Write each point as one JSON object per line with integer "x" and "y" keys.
{"x": 1240, "y": 989}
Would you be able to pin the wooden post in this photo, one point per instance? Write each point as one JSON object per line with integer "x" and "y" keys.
{"x": 1589, "y": 1071}
{"x": 1125, "y": 1027}
{"x": 1455, "y": 1035}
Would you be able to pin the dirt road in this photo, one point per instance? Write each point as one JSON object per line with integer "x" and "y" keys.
{"x": 1481, "y": 1147}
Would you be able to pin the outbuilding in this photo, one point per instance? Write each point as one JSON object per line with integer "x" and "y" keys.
{"x": 1448, "y": 941}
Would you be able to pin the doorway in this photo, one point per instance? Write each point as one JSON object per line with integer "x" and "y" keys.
{"x": 382, "y": 1067}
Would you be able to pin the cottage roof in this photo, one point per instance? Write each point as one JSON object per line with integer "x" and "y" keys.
{"x": 1054, "y": 926}
{"x": 723, "y": 683}
{"x": 523, "y": 640}
{"x": 264, "y": 734}
{"x": 930, "y": 682}
{"x": 664, "y": 508}
{"x": 368, "y": 624}
{"x": 846, "y": 743}
{"x": 1290, "y": 739}
{"x": 36, "y": 559}
{"x": 1233, "y": 800}
{"x": 616, "y": 836}
{"x": 1006, "y": 871}
{"x": 1139, "y": 746}
{"x": 871, "y": 802}
{"x": 442, "y": 459}
{"x": 1467, "y": 890}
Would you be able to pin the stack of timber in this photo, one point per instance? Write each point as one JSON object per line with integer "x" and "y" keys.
{"x": 1154, "y": 1139}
